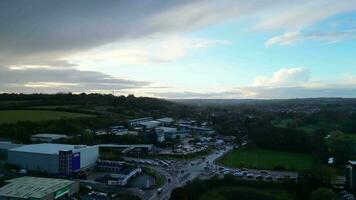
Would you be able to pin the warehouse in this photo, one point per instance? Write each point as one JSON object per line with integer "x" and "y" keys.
{"x": 47, "y": 137}
{"x": 6, "y": 146}
{"x": 54, "y": 158}
{"x": 38, "y": 188}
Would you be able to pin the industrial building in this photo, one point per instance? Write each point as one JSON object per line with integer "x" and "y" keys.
{"x": 48, "y": 138}
{"x": 54, "y": 158}
{"x": 36, "y": 188}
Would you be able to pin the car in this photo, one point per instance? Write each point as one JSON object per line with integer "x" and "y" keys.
{"x": 221, "y": 168}
{"x": 279, "y": 178}
{"x": 249, "y": 175}
{"x": 259, "y": 177}
{"x": 159, "y": 190}
{"x": 226, "y": 172}
{"x": 244, "y": 169}
{"x": 239, "y": 174}
{"x": 264, "y": 172}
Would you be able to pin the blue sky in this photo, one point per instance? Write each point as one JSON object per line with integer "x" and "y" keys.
{"x": 191, "y": 49}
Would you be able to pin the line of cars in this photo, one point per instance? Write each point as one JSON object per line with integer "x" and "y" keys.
{"x": 254, "y": 175}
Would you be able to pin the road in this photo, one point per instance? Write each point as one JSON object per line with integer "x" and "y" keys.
{"x": 179, "y": 173}
{"x": 182, "y": 172}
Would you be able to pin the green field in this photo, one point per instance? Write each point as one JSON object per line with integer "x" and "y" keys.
{"x": 246, "y": 193}
{"x": 13, "y": 116}
{"x": 266, "y": 159}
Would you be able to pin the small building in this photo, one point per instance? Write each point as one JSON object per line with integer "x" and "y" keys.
{"x": 350, "y": 175}
{"x": 27, "y": 187}
{"x": 54, "y": 158}
{"x": 47, "y": 138}
{"x": 160, "y": 135}
{"x": 124, "y": 176}
{"x": 166, "y": 121}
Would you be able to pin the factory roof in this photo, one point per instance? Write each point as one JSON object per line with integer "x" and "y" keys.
{"x": 50, "y": 136}
{"x": 47, "y": 148}
{"x": 32, "y": 187}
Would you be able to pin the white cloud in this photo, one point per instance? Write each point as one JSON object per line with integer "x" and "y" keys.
{"x": 151, "y": 49}
{"x": 292, "y": 37}
{"x": 284, "y": 77}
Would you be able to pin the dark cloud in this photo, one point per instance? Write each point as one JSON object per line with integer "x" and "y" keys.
{"x": 60, "y": 80}
{"x": 40, "y": 31}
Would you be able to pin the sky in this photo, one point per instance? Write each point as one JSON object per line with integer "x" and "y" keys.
{"x": 232, "y": 49}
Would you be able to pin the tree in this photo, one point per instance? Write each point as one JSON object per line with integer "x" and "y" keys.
{"x": 341, "y": 146}
{"x": 324, "y": 194}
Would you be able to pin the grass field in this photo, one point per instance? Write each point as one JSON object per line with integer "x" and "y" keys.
{"x": 13, "y": 116}
{"x": 266, "y": 159}
{"x": 246, "y": 193}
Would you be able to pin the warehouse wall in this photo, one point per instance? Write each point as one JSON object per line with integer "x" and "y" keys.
{"x": 88, "y": 156}
{"x": 34, "y": 161}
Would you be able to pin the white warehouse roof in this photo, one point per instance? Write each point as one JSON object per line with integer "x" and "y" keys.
{"x": 47, "y": 148}
{"x": 166, "y": 120}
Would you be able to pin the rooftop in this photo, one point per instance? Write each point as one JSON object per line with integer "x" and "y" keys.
{"x": 32, "y": 187}
{"x": 167, "y": 129}
{"x": 166, "y": 120}
{"x": 150, "y": 123}
{"x": 9, "y": 145}
{"x": 47, "y": 148}
{"x": 51, "y": 136}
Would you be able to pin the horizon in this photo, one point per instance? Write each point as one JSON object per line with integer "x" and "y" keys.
{"x": 180, "y": 49}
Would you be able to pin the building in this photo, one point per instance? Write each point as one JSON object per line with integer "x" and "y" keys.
{"x": 35, "y": 188}
{"x": 150, "y": 124}
{"x": 166, "y": 121}
{"x": 6, "y": 146}
{"x": 351, "y": 175}
{"x": 124, "y": 176}
{"x": 172, "y": 133}
{"x": 54, "y": 158}
{"x": 109, "y": 165}
{"x": 160, "y": 135}
{"x": 136, "y": 122}
{"x": 48, "y": 138}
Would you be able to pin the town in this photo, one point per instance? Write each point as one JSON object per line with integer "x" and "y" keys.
{"x": 150, "y": 157}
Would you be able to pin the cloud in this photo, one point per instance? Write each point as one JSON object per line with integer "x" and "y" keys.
{"x": 301, "y": 14}
{"x": 152, "y": 49}
{"x": 290, "y": 38}
{"x": 284, "y": 77}
{"x": 43, "y": 32}
{"x": 33, "y": 80}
